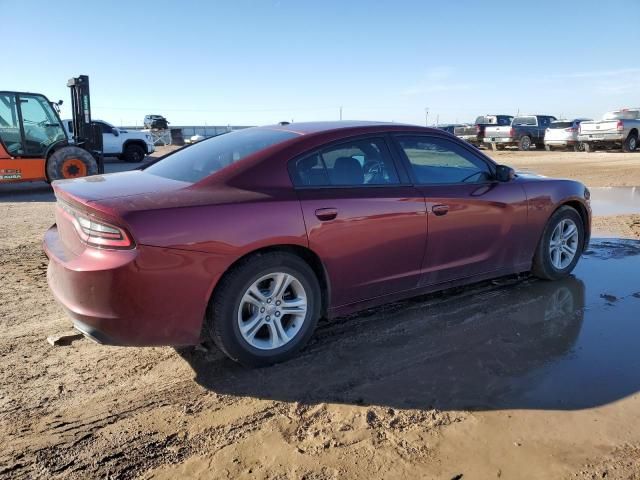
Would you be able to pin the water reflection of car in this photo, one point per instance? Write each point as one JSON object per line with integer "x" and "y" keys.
{"x": 262, "y": 231}
{"x": 467, "y": 350}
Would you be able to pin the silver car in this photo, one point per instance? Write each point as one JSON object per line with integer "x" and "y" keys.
{"x": 564, "y": 134}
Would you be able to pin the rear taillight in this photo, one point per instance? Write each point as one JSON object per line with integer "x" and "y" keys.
{"x": 478, "y": 129}
{"x": 571, "y": 129}
{"x": 620, "y": 125}
{"x": 95, "y": 232}
{"x": 512, "y": 132}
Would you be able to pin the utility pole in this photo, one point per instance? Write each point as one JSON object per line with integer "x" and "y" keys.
{"x": 426, "y": 116}
{"x": 340, "y": 112}
{"x": 437, "y": 120}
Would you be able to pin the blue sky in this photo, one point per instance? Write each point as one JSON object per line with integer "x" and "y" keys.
{"x": 257, "y": 62}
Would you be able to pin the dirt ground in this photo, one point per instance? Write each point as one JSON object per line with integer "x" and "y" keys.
{"x": 508, "y": 379}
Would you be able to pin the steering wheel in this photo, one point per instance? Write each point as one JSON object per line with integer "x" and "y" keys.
{"x": 373, "y": 169}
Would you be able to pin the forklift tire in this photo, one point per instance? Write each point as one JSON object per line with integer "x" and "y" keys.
{"x": 133, "y": 153}
{"x": 70, "y": 162}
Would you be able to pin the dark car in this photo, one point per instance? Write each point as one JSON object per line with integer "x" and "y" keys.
{"x": 155, "y": 122}
{"x": 249, "y": 238}
{"x": 524, "y": 132}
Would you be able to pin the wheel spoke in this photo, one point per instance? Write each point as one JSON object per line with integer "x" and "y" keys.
{"x": 255, "y": 292}
{"x": 297, "y": 306}
{"x": 251, "y": 326}
{"x": 277, "y": 333}
{"x": 280, "y": 284}
{"x": 569, "y": 232}
{"x": 569, "y": 250}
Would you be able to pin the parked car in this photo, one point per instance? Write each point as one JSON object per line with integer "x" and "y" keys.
{"x": 155, "y": 122}
{"x": 524, "y": 132}
{"x": 448, "y": 127}
{"x": 127, "y": 145}
{"x": 564, "y": 134}
{"x": 475, "y": 133}
{"x": 617, "y": 129}
{"x": 248, "y": 238}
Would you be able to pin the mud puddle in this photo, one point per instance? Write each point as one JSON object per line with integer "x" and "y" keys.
{"x": 615, "y": 200}
{"x": 521, "y": 344}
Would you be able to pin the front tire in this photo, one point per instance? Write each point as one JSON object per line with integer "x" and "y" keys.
{"x": 561, "y": 245}
{"x": 133, "y": 153}
{"x": 70, "y": 162}
{"x": 265, "y": 309}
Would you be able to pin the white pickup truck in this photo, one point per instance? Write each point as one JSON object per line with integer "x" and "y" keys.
{"x": 127, "y": 145}
{"x": 616, "y": 129}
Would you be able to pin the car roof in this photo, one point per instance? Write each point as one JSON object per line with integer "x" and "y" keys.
{"x": 308, "y": 128}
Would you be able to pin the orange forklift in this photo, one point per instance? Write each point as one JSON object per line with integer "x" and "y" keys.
{"x": 33, "y": 143}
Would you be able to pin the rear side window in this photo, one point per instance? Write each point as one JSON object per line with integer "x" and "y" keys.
{"x": 502, "y": 120}
{"x": 355, "y": 163}
{"x": 524, "y": 121}
{"x": 440, "y": 161}
{"x": 207, "y": 157}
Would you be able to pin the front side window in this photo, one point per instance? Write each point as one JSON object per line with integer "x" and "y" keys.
{"x": 9, "y": 124}
{"x": 207, "y": 157}
{"x": 355, "y": 163}
{"x": 41, "y": 125}
{"x": 439, "y": 161}
{"x": 105, "y": 128}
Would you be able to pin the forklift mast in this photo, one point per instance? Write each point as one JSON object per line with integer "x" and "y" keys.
{"x": 86, "y": 134}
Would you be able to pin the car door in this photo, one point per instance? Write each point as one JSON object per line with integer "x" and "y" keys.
{"x": 363, "y": 218}
{"x": 110, "y": 143}
{"x": 476, "y": 225}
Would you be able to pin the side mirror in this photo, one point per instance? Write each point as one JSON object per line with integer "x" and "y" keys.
{"x": 115, "y": 131}
{"x": 504, "y": 173}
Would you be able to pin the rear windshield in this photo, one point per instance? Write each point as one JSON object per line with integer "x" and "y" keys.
{"x": 207, "y": 157}
{"x": 561, "y": 124}
{"x": 623, "y": 115}
{"x": 524, "y": 121}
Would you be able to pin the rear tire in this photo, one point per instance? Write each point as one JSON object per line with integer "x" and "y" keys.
{"x": 70, "y": 162}
{"x": 233, "y": 308}
{"x": 133, "y": 153}
{"x": 589, "y": 147}
{"x": 579, "y": 147}
{"x": 543, "y": 260}
{"x": 631, "y": 143}
{"x": 524, "y": 144}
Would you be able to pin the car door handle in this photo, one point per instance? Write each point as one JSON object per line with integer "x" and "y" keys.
{"x": 440, "y": 210}
{"x": 325, "y": 214}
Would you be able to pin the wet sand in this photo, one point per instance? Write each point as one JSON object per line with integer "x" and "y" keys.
{"x": 514, "y": 378}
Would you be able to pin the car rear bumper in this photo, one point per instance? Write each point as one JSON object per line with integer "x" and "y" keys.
{"x": 560, "y": 143}
{"x": 602, "y": 137}
{"x": 469, "y": 138}
{"x": 143, "y": 296}
{"x": 507, "y": 140}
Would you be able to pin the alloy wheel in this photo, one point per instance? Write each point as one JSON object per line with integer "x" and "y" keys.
{"x": 563, "y": 245}
{"x": 272, "y": 311}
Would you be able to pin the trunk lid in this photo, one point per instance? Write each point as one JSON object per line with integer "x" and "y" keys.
{"x": 503, "y": 131}
{"x": 603, "y": 126}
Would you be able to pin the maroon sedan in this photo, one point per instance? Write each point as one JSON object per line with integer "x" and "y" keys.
{"x": 248, "y": 238}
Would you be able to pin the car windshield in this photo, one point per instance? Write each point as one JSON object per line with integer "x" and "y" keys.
{"x": 622, "y": 115}
{"x": 561, "y": 124}
{"x": 205, "y": 158}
